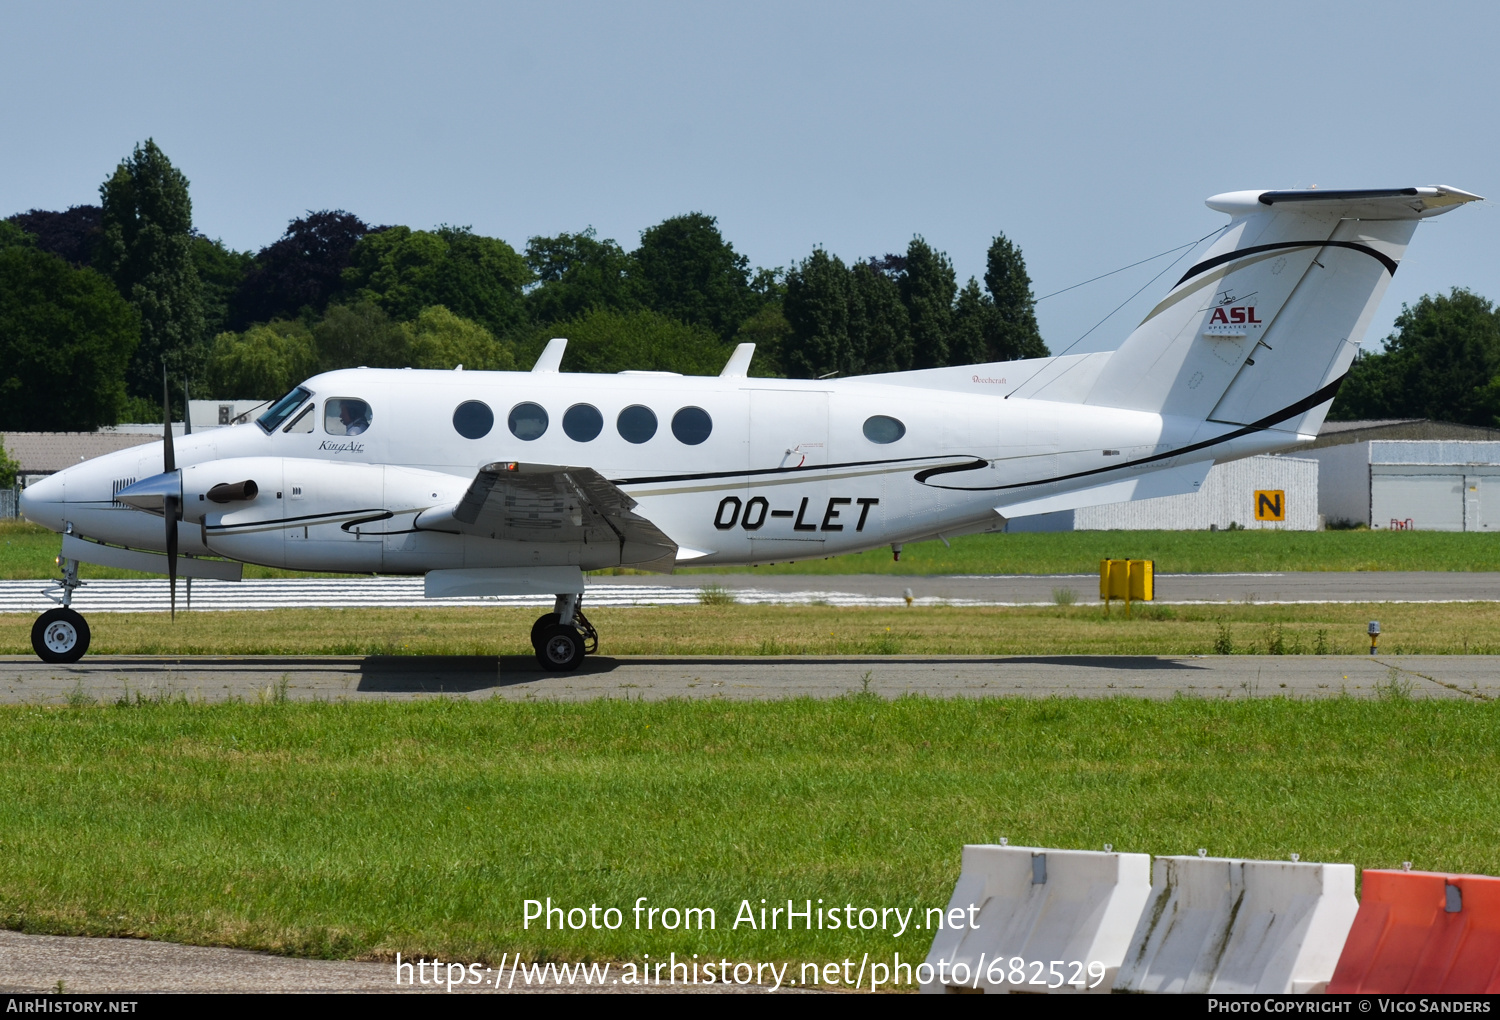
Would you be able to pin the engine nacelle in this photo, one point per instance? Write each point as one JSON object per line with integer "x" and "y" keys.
{"x": 308, "y": 514}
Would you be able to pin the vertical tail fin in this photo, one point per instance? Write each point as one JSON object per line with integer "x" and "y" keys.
{"x": 1265, "y": 325}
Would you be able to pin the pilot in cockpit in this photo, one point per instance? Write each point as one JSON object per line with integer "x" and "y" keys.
{"x": 354, "y": 415}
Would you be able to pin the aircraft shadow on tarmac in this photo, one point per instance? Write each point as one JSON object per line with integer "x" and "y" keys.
{"x": 462, "y": 674}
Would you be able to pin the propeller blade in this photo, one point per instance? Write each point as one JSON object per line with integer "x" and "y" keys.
{"x": 171, "y": 507}
{"x": 169, "y": 456}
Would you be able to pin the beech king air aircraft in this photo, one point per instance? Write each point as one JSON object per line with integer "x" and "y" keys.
{"x": 509, "y": 483}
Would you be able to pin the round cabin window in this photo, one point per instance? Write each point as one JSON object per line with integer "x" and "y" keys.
{"x": 636, "y": 424}
{"x": 583, "y": 422}
{"x": 691, "y": 425}
{"x": 473, "y": 419}
{"x": 528, "y": 421}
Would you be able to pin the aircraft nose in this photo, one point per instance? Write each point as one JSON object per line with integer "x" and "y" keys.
{"x": 42, "y": 502}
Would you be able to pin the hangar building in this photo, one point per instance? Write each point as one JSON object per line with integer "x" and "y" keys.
{"x": 1431, "y": 485}
{"x": 1257, "y": 492}
{"x": 1416, "y": 473}
{"x": 1430, "y": 473}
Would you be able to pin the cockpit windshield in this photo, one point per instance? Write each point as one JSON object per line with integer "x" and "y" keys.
{"x": 283, "y": 407}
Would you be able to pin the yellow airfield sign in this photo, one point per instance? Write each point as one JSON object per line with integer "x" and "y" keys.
{"x": 1270, "y": 504}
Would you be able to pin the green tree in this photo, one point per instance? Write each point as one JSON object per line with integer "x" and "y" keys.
{"x": 12, "y": 236}
{"x": 689, "y": 272}
{"x": 608, "y": 341}
{"x": 404, "y": 270}
{"x": 817, "y": 310}
{"x": 361, "y": 334}
{"x": 439, "y": 339}
{"x": 928, "y": 288}
{"x": 578, "y": 273}
{"x": 879, "y": 326}
{"x": 8, "y": 467}
{"x": 975, "y": 321}
{"x": 1441, "y": 363}
{"x": 1013, "y": 334}
{"x": 66, "y": 337}
{"x": 770, "y": 332}
{"x": 147, "y": 249}
{"x": 221, "y": 273}
{"x": 263, "y": 362}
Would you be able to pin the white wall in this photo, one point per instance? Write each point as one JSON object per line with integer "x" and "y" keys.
{"x": 1343, "y": 481}
{"x": 1227, "y": 495}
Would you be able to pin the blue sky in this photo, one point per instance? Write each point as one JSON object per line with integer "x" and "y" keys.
{"x": 1089, "y": 133}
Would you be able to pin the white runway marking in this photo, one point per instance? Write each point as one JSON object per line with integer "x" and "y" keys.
{"x": 149, "y": 596}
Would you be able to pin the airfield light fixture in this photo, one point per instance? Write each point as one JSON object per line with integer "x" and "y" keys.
{"x": 1374, "y": 631}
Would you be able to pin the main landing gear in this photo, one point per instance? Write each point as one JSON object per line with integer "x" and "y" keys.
{"x": 564, "y": 636}
{"x": 61, "y": 635}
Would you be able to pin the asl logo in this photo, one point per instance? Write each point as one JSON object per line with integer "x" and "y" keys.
{"x": 1234, "y": 315}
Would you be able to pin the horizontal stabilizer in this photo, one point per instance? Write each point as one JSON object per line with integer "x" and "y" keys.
{"x": 1368, "y": 204}
{"x": 1166, "y": 482}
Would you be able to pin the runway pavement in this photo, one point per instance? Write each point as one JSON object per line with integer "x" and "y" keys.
{"x": 151, "y": 595}
{"x": 104, "y": 678}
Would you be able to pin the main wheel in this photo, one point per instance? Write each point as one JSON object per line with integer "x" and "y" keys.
{"x": 542, "y": 623}
{"x": 560, "y": 648}
{"x": 60, "y": 635}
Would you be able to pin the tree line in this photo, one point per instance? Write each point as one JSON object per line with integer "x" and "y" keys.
{"x": 1442, "y": 362}
{"x": 96, "y": 299}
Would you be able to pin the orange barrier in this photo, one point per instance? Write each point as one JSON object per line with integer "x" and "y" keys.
{"x": 1423, "y": 932}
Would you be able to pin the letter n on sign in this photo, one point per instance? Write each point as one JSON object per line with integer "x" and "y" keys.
{"x": 1270, "y": 504}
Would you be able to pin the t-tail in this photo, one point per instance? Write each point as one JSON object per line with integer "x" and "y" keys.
{"x": 1262, "y": 329}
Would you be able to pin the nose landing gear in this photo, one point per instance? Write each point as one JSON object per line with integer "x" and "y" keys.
{"x": 61, "y": 635}
{"x": 564, "y": 636}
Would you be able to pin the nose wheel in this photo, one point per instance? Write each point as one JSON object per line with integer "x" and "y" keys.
{"x": 562, "y": 638}
{"x": 60, "y": 635}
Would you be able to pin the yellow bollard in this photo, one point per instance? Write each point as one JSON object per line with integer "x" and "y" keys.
{"x": 1131, "y": 580}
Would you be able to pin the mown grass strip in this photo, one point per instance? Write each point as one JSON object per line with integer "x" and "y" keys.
{"x": 364, "y": 829}
{"x": 729, "y": 629}
{"x": 28, "y": 551}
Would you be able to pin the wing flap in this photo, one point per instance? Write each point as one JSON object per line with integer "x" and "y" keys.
{"x": 509, "y": 501}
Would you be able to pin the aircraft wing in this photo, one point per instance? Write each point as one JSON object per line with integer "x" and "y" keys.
{"x": 549, "y": 503}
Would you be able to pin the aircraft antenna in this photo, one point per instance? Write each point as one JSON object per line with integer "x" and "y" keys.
{"x": 1184, "y": 249}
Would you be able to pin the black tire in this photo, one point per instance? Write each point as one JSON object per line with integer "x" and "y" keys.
{"x": 60, "y": 635}
{"x": 560, "y": 649}
{"x": 542, "y": 623}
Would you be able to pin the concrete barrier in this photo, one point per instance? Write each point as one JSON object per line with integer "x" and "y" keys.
{"x": 1030, "y": 919}
{"x": 1216, "y": 924}
{"x": 1423, "y": 932}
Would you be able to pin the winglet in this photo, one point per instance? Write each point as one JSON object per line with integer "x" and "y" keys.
{"x": 739, "y": 362}
{"x": 551, "y": 359}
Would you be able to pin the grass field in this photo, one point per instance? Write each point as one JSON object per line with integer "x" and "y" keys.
{"x": 1407, "y": 628}
{"x": 1175, "y": 552}
{"x": 28, "y": 551}
{"x": 364, "y": 829}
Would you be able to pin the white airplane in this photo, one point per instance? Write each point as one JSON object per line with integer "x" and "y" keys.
{"x": 511, "y": 483}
